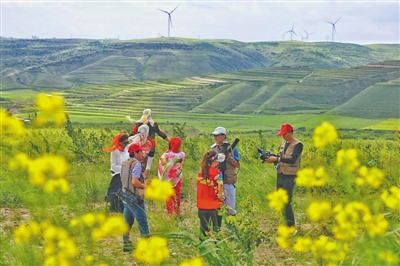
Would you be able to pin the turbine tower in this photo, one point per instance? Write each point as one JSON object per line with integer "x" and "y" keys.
{"x": 169, "y": 17}
{"x": 291, "y": 32}
{"x": 333, "y": 27}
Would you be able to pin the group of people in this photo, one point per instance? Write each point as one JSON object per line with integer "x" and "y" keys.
{"x": 132, "y": 157}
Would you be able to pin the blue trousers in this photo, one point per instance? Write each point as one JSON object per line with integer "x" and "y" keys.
{"x": 138, "y": 212}
{"x": 230, "y": 194}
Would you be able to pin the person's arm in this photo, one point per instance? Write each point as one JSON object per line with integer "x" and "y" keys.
{"x": 115, "y": 164}
{"x": 160, "y": 132}
{"x": 296, "y": 153}
{"x": 136, "y": 172}
{"x": 235, "y": 159}
{"x": 135, "y": 130}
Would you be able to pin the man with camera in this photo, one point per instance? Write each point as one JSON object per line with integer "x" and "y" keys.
{"x": 287, "y": 163}
{"x": 228, "y": 167}
{"x": 132, "y": 193}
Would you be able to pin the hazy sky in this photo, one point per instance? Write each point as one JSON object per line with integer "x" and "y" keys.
{"x": 362, "y": 22}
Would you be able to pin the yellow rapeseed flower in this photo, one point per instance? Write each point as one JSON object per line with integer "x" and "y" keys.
{"x": 159, "y": 190}
{"x": 11, "y": 129}
{"x": 324, "y": 134}
{"x": 89, "y": 259}
{"x": 22, "y": 234}
{"x": 349, "y": 219}
{"x": 285, "y": 231}
{"x": 303, "y": 244}
{"x": 391, "y": 198}
{"x": 151, "y": 250}
{"x": 373, "y": 177}
{"x": 49, "y": 167}
{"x": 278, "y": 199}
{"x": 89, "y": 219}
{"x": 282, "y": 242}
{"x": 193, "y": 262}
{"x": 21, "y": 160}
{"x": 111, "y": 226}
{"x": 376, "y": 225}
{"x": 307, "y": 177}
{"x": 329, "y": 250}
{"x": 319, "y": 210}
{"x": 50, "y": 106}
{"x": 348, "y": 159}
{"x": 389, "y": 257}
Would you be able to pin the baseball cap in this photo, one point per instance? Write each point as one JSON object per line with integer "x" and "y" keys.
{"x": 219, "y": 131}
{"x": 135, "y": 147}
{"x": 285, "y": 128}
{"x": 220, "y": 157}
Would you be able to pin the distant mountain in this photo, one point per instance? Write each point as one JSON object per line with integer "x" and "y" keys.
{"x": 42, "y": 64}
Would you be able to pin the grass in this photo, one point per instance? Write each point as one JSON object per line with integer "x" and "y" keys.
{"x": 89, "y": 181}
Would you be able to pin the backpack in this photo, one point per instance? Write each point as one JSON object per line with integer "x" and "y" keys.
{"x": 114, "y": 203}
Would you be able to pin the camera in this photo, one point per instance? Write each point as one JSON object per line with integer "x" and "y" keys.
{"x": 127, "y": 197}
{"x": 264, "y": 155}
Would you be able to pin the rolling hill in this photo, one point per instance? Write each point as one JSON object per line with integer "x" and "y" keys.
{"x": 42, "y": 64}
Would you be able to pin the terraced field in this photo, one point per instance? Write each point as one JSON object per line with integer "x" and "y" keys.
{"x": 369, "y": 94}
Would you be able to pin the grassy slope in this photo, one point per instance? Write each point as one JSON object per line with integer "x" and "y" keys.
{"x": 378, "y": 101}
{"x": 70, "y": 63}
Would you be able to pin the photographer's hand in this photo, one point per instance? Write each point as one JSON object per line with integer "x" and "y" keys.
{"x": 272, "y": 159}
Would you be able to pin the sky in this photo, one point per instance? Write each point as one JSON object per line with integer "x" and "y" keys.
{"x": 360, "y": 22}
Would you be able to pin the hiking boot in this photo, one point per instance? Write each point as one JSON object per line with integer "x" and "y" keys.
{"x": 127, "y": 244}
{"x": 127, "y": 248}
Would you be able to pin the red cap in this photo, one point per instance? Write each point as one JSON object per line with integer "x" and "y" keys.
{"x": 285, "y": 128}
{"x": 135, "y": 147}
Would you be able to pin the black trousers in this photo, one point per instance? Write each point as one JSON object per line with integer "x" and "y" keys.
{"x": 209, "y": 218}
{"x": 287, "y": 183}
{"x": 115, "y": 184}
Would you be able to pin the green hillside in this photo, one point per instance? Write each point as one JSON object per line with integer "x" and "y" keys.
{"x": 381, "y": 100}
{"x": 72, "y": 63}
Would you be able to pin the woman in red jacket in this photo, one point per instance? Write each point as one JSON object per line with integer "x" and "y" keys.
{"x": 210, "y": 192}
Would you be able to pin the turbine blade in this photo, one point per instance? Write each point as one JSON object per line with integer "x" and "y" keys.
{"x": 170, "y": 20}
{"x": 293, "y": 26}
{"x": 337, "y": 20}
{"x": 174, "y": 9}
{"x": 328, "y": 22}
{"x": 163, "y": 11}
{"x": 295, "y": 33}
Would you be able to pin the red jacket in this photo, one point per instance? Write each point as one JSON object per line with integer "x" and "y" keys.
{"x": 207, "y": 190}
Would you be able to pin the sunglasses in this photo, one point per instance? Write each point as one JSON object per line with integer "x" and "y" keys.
{"x": 125, "y": 143}
{"x": 218, "y": 135}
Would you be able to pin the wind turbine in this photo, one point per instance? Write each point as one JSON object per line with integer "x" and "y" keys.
{"x": 291, "y": 32}
{"x": 333, "y": 26}
{"x": 308, "y": 34}
{"x": 169, "y": 17}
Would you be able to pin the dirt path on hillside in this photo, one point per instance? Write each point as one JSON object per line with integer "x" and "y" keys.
{"x": 204, "y": 79}
{"x": 383, "y": 66}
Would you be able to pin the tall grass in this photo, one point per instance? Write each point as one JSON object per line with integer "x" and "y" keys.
{"x": 247, "y": 239}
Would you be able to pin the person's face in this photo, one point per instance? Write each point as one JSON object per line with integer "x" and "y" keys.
{"x": 124, "y": 143}
{"x": 287, "y": 136}
{"x": 140, "y": 155}
{"x": 219, "y": 138}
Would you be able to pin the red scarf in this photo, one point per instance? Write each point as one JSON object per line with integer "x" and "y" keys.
{"x": 175, "y": 144}
{"x": 116, "y": 144}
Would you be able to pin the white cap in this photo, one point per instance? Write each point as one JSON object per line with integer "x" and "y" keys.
{"x": 219, "y": 131}
{"x": 220, "y": 157}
